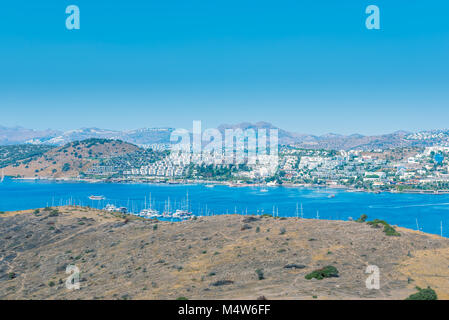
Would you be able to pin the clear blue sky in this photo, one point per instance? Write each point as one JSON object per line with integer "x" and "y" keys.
{"x": 306, "y": 66}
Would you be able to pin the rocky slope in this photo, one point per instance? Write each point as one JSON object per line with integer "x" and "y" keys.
{"x": 220, "y": 257}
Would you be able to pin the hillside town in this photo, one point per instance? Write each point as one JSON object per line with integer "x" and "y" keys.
{"x": 401, "y": 169}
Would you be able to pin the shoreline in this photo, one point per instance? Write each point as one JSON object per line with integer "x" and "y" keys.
{"x": 212, "y": 183}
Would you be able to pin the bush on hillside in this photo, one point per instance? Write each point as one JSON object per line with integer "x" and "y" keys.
{"x": 326, "y": 272}
{"x": 423, "y": 294}
{"x": 389, "y": 230}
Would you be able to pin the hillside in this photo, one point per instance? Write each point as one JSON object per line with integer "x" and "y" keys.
{"x": 219, "y": 257}
{"x": 12, "y": 154}
{"x": 70, "y": 159}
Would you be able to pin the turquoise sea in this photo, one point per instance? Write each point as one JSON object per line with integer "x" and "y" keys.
{"x": 430, "y": 211}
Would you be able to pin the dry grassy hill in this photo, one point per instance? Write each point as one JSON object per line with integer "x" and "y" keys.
{"x": 69, "y": 160}
{"x": 220, "y": 257}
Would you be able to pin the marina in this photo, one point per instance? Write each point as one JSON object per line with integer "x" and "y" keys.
{"x": 180, "y": 202}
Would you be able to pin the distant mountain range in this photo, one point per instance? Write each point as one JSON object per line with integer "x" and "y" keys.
{"x": 18, "y": 135}
{"x": 149, "y": 136}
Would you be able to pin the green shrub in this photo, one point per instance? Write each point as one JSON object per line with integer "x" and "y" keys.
{"x": 326, "y": 272}
{"x": 389, "y": 230}
{"x": 181, "y": 298}
{"x": 65, "y": 167}
{"x": 423, "y": 294}
{"x": 362, "y": 218}
{"x": 54, "y": 213}
{"x": 260, "y": 275}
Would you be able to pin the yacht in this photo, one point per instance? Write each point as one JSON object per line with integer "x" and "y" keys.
{"x": 122, "y": 210}
{"x": 182, "y": 214}
{"x": 167, "y": 213}
{"x": 96, "y": 197}
{"x": 110, "y": 207}
{"x": 150, "y": 213}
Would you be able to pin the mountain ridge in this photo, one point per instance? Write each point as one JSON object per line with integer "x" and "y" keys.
{"x": 161, "y": 135}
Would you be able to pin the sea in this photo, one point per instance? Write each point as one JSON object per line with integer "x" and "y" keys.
{"x": 424, "y": 212}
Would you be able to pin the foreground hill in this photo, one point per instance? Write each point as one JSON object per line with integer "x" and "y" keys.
{"x": 220, "y": 257}
{"x": 70, "y": 159}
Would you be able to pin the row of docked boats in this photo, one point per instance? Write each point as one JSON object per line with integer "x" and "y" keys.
{"x": 152, "y": 213}
{"x": 182, "y": 214}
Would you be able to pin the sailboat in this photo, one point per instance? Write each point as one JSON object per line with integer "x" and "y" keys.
{"x": 183, "y": 213}
{"x": 3, "y": 176}
{"x": 150, "y": 212}
{"x": 167, "y": 213}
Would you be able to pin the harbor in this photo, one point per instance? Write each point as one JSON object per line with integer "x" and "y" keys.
{"x": 180, "y": 202}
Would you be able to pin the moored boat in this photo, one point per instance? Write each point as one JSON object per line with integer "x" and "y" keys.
{"x": 92, "y": 197}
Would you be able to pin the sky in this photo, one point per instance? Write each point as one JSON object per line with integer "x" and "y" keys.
{"x": 305, "y": 66}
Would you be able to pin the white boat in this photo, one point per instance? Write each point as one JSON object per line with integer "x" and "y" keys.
{"x": 167, "y": 213}
{"x": 122, "y": 210}
{"x": 3, "y": 176}
{"x": 150, "y": 213}
{"x": 96, "y": 197}
{"x": 182, "y": 214}
{"x": 110, "y": 207}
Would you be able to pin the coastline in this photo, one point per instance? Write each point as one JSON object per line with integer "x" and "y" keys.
{"x": 212, "y": 183}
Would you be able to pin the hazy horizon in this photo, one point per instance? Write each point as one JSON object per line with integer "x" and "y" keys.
{"x": 205, "y": 127}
